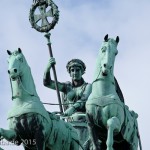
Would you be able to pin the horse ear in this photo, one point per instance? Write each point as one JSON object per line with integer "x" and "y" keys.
{"x": 106, "y": 38}
{"x": 19, "y": 50}
{"x": 117, "y": 39}
{"x": 9, "y": 52}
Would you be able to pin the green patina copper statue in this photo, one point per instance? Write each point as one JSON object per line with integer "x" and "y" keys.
{"x": 109, "y": 120}
{"x": 111, "y": 125}
{"x": 29, "y": 122}
{"x": 74, "y": 94}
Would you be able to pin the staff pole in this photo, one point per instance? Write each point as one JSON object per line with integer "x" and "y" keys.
{"x": 47, "y": 35}
{"x": 46, "y": 8}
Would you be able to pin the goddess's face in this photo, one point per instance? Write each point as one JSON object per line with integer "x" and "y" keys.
{"x": 76, "y": 73}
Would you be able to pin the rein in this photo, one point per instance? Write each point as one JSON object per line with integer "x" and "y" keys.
{"x": 62, "y": 104}
{"x": 11, "y": 88}
{"x": 24, "y": 87}
{"x": 98, "y": 79}
{"x": 98, "y": 75}
{"x": 19, "y": 79}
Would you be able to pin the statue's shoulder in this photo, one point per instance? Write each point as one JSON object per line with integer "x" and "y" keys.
{"x": 88, "y": 87}
{"x": 68, "y": 86}
{"x": 88, "y": 84}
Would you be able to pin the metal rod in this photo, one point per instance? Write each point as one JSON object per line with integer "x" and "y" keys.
{"x": 47, "y": 35}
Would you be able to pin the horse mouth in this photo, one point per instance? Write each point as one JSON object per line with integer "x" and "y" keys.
{"x": 13, "y": 78}
{"x": 104, "y": 74}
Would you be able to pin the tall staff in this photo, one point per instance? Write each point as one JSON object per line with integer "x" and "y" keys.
{"x": 46, "y": 26}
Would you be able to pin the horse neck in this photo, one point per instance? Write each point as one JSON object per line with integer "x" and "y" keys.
{"x": 28, "y": 84}
{"x": 103, "y": 85}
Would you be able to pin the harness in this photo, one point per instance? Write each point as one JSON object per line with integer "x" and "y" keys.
{"x": 20, "y": 81}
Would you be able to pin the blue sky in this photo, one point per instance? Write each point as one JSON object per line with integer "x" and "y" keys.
{"x": 79, "y": 34}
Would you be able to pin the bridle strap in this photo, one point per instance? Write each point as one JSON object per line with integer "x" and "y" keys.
{"x": 19, "y": 78}
{"x": 11, "y": 88}
{"x": 24, "y": 88}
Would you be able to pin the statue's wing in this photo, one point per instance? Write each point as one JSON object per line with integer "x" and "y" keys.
{"x": 118, "y": 90}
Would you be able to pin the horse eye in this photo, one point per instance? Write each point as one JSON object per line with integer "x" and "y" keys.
{"x": 20, "y": 59}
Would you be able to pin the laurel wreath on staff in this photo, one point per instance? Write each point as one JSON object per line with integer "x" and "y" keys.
{"x": 53, "y": 12}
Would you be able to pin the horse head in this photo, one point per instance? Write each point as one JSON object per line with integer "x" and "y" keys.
{"x": 108, "y": 52}
{"x": 16, "y": 60}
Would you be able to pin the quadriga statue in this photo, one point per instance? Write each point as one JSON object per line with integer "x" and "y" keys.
{"x": 109, "y": 119}
{"x": 29, "y": 122}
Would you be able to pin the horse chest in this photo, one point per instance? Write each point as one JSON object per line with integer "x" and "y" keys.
{"x": 102, "y": 88}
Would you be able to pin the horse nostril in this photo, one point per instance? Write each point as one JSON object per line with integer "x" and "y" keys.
{"x": 104, "y": 65}
{"x": 8, "y": 72}
{"x": 15, "y": 70}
